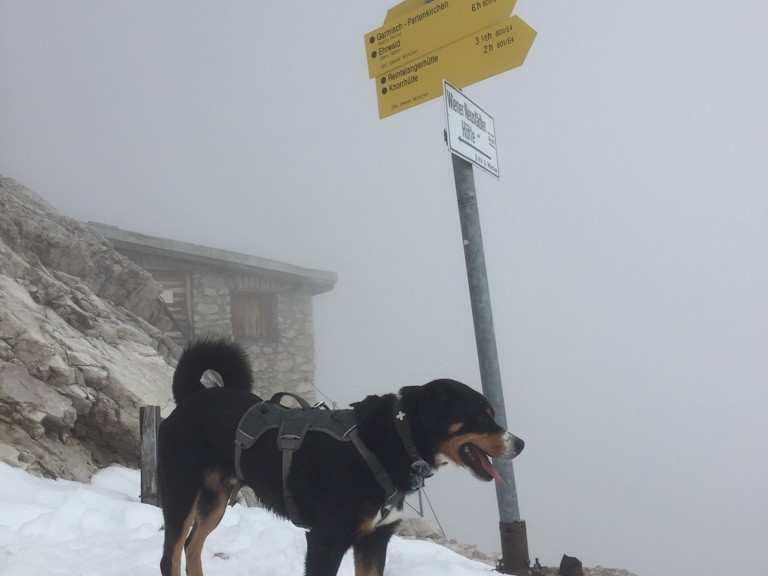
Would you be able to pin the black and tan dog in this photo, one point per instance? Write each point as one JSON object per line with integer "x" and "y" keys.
{"x": 334, "y": 488}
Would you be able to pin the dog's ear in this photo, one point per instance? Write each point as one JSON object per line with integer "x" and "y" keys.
{"x": 428, "y": 420}
{"x": 409, "y": 393}
{"x": 412, "y": 399}
{"x": 426, "y": 406}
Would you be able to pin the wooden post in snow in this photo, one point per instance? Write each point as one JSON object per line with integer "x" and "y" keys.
{"x": 149, "y": 425}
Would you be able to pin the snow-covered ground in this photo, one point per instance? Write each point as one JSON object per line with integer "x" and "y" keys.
{"x": 101, "y": 529}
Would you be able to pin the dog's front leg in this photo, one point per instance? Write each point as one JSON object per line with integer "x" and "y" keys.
{"x": 325, "y": 549}
{"x": 371, "y": 551}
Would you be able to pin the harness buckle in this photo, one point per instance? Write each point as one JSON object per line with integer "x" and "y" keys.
{"x": 420, "y": 470}
{"x": 394, "y": 500}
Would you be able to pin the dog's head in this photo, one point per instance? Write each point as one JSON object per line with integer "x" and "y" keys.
{"x": 454, "y": 423}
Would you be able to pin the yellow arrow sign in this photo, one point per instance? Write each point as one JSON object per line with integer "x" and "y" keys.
{"x": 490, "y": 51}
{"x": 403, "y": 7}
{"x": 413, "y": 34}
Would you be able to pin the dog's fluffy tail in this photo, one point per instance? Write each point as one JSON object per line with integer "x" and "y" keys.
{"x": 223, "y": 356}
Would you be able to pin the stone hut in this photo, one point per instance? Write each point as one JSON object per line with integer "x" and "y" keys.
{"x": 263, "y": 304}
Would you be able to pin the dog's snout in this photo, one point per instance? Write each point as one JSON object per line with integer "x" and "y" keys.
{"x": 514, "y": 445}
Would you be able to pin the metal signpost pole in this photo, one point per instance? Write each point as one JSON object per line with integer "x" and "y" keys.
{"x": 514, "y": 541}
{"x": 411, "y": 57}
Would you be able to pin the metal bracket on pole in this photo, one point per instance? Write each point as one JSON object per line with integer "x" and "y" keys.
{"x": 514, "y": 542}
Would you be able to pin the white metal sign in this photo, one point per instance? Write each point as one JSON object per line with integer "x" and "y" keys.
{"x": 471, "y": 130}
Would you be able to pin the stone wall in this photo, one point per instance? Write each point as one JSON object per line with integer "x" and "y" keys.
{"x": 288, "y": 363}
{"x": 285, "y": 363}
{"x": 210, "y": 305}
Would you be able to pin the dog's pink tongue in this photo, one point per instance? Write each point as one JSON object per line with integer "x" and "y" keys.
{"x": 485, "y": 462}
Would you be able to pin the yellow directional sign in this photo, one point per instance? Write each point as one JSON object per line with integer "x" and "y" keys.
{"x": 403, "y": 7}
{"x": 487, "y": 52}
{"x": 413, "y": 34}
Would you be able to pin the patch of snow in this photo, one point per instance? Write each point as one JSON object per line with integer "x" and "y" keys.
{"x": 120, "y": 480}
{"x": 58, "y": 527}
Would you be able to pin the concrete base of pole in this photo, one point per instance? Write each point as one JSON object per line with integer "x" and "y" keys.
{"x": 514, "y": 548}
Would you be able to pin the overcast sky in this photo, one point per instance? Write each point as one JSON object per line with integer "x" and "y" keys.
{"x": 626, "y": 239}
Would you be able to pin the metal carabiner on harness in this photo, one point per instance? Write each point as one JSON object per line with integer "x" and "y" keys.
{"x": 420, "y": 471}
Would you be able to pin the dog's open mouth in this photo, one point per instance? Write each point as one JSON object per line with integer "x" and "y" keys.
{"x": 478, "y": 461}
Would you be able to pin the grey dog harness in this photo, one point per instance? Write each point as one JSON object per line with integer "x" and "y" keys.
{"x": 292, "y": 426}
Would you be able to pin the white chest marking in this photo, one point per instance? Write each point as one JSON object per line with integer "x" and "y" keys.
{"x": 393, "y": 516}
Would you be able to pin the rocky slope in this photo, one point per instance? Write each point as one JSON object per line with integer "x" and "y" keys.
{"x": 82, "y": 343}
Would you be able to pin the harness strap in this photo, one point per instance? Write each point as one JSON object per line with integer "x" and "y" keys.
{"x": 289, "y": 439}
{"x": 238, "y": 455}
{"x": 243, "y": 441}
{"x": 290, "y": 504}
{"x": 420, "y": 469}
{"x": 392, "y": 496}
{"x": 280, "y": 395}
